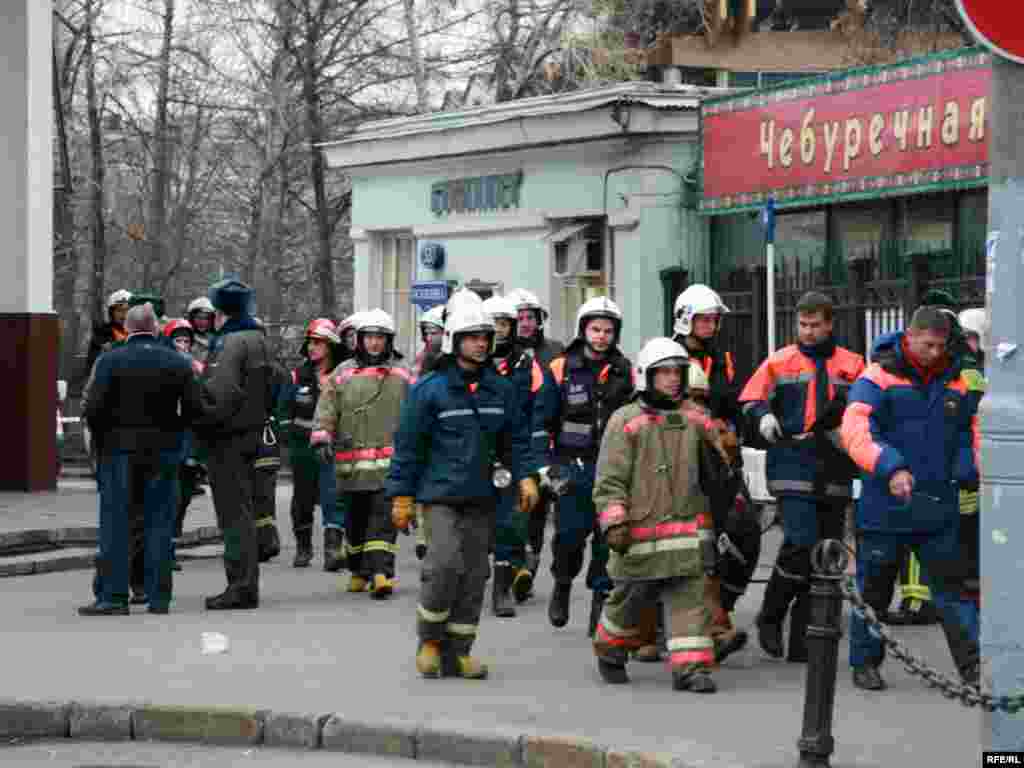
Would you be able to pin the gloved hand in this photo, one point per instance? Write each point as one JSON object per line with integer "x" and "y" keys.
{"x": 402, "y": 513}
{"x": 618, "y": 538}
{"x": 529, "y": 495}
{"x": 832, "y": 417}
{"x": 770, "y": 428}
{"x": 325, "y": 453}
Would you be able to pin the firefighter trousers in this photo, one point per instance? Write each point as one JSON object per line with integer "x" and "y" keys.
{"x": 687, "y": 619}
{"x": 454, "y": 575}
{"x": 372, "y": 535}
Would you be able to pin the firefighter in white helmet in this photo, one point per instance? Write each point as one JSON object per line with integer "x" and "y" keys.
{"x": 111, "y": 330}
{"x": 592, "y": 379}
{"x": 431, "y": 330}
{"x": 654, "y": 510}
{"x": 461, "y": 440}
{"x": 354, "y": 425}
{"x": 200, "y": 314}
{"x": 512, "y": 577}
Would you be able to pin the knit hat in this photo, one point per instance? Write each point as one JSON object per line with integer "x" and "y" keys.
{"x": 231, "y": 296}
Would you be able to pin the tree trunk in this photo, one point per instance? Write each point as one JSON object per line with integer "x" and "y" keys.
{"x": 96, "y": 174}
{"x": 324, "y": 266}
{"x": 161, "y": 159}
{"x": 419, "y": 70}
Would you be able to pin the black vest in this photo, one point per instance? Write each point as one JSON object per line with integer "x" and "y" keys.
{"x": 307, "y": 392}
{"x": 589, "y": 399}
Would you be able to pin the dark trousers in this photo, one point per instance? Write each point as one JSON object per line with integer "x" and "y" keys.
{"x": 306, "y": 471}
{"x": 371, "y": 534}
{"x": 454, "y": 575}
{"x": 805, "y": 521}
{"x": 264, "y": 495}
{"x": 230, "y": 466}
{"x": 154, "y": 477}
{"x": 576, "y": 520}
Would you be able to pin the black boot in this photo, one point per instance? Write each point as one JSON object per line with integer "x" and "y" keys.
{"x": 269, "y": 542}
{"x": 798, "y": 618}
{"x": 596, "y": 606}
{"x": 558, "y": 607}
{"x": 334, "y": 550}
{"x": 777, "y": 596}
{"x": 963, "y": 650}
{"x": 303, "y": 548}
{"x": 501, "y": 600}
{"x": 613, "y": 674}
{"x": 697, "y": 681}
{"x": 234, "y": 598}
{"x": 868, "y": 678}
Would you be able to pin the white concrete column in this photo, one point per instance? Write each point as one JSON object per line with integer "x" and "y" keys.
{"x": 29, "y": 330}
{"x": 26, "y": 163}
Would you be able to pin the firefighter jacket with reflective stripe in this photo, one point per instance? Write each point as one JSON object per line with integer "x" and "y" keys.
{"x": 523, "y": 369}
{"x": 788, "y": 385}
{"x": 899, "y": 420}
{"x": 358, "y": 411}
{"x": 723, "y": 386}
{"x": 578, "y": 407}
{"x": 452, "y": 432}
{"x": 648, "y": 477}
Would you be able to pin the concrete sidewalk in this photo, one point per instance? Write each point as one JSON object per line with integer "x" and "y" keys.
{"x": 311, "y": 648}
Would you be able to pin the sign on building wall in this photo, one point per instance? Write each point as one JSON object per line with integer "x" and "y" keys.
{"x": 429, "y": 293}
{"x": 917, "y": 126}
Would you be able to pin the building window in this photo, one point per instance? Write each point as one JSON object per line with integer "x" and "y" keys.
{"x": 582, "y": 268}
{"x": 395, "y": 255}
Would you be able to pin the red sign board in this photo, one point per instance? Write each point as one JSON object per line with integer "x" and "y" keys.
{"x": 997, "y": 25}
{"x": 916, "y": 126}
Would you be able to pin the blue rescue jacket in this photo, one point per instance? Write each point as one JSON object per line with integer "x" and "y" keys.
{"x": 448, "y": 438}
{"x": 895, "y": 420}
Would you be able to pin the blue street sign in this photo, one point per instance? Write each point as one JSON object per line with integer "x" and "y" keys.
{"x": 431, "y": 255}
{"x": 768, "y": 219}
{"x": 429, "y": 293}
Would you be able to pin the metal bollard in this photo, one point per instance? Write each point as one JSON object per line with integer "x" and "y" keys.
{"x": 824, "y": 628}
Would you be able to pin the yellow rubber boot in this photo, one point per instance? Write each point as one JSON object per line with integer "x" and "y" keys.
{"x": 382, "y": 587}
{"x": 470, "y": 668}
{"x": 357, "y": 584}
{"x": 428, "y": 659}
{"x": 522, "y": 585}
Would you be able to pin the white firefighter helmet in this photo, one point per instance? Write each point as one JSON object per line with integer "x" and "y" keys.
{"x": 974, "y": 320}
{"x": 350, "y": 323}
{"x": 433, "y": 316}
{"x": 375, "y": 321}
{"x": 696, "y": 300}
{"x": 656, "y": 353}
{"x": 599, "y": 306}
{"x": 119, "y": 297}
{"x": 468, "y": 318}
{"x": 202, "y": 304}
{"x": 524, "y": 299}
{"x": 501, "y": 307}
{"x": 462, "y": 297}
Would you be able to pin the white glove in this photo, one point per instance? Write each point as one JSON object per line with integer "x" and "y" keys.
{"x": 770, "y": 428}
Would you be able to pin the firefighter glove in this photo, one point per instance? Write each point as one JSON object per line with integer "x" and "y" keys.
{"x": 618, "y": 538}
{"x": 770, "y": 428}
{"x": 529, "y": 495}
{"x": 402, "y": 513}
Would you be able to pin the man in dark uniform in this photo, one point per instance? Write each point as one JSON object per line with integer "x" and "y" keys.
{"x": 236, "y": 390}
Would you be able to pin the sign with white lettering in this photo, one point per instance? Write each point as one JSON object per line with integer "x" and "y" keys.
{"x": 429, "y": 293}
{"x": 917, "y": 126}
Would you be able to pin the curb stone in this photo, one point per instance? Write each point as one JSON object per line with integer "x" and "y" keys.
{"x": 436, "y": 740}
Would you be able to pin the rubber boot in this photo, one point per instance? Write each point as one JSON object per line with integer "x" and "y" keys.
{"x": 777, "y": 596}
{"x": 522, "y": 585}
{"x": 303, "y": 548}
{"x": 798, "y": 618}
{"x": 501, "y": 600}
{"x": 428, "y": 659}
{"x": 269, "y": 542}
{"x": 382, "y": 587}
{"x": 334, "y": 550}
{"x": 596, "y": 606}
{"x": 695, "y": 680}
{"x": 726, "y": 637}
{"x": 558, "y": 607}
{"x": 613, "y": 674}
{"x": 357, "y": 583}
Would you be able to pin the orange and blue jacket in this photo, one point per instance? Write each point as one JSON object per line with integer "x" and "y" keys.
{"x": 785, "y": 385}
{"x": 897, "y": 419}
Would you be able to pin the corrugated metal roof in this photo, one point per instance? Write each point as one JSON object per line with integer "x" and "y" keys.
{"x": 654, "y": 95}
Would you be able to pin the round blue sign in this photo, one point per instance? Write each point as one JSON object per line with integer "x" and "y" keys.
{"x": 432, "y": 255}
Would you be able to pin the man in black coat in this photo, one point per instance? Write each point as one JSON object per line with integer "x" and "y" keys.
{"x": 143, "y": 396}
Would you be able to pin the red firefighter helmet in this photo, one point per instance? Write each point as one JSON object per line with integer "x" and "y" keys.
{"x": 322, "y": 328}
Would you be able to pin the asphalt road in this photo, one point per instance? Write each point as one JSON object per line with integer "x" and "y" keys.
{"x": 311, "y": 648}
